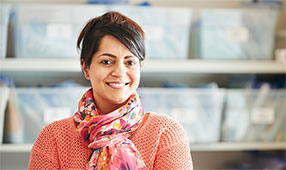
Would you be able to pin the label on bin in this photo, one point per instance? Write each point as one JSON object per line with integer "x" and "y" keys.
{"x": 237, "y": 34}
{"x": 262, "y": 115}
{"x": 153, "y": 32}
{"x": 52, "y": 114}
{"x": 59, "y": 31}
{"x": 183, "y": 115}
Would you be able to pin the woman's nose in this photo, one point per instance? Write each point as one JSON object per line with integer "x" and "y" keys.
{"x": 119, "y": 70}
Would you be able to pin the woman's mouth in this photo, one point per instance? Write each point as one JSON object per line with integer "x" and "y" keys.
{"x": 117, "y": 85}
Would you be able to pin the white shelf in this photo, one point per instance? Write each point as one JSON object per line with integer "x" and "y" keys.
{"x": 39, "y": 65}
{"x": 227, "y": 146}
{"x": 215, "y": 66}
{"x": 15, "y": 148}
{"x": 150, "y": 66}
{"x": 23, "y": 148}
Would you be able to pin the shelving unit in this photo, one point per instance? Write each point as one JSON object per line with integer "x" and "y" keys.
{"x": 31, "y": 71}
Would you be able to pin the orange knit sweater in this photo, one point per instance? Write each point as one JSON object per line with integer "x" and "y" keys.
{"x": 160, "y": 140}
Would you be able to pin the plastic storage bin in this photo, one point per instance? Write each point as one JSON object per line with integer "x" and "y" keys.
{"x": 166, "y": 29}
{"x": 52, "y": 30}
{"x": 255, "y": 115}
{"x": 38, "y": 107}
{"x": 4, "y": 20}
{"x": 198, "y": 110}
{"x": 245, "y": 33}
{"x": 49, "y": 30}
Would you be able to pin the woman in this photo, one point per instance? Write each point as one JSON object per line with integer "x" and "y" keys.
{"x": 110, "y": 129}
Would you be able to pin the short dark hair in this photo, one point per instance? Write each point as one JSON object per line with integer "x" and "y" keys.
{"x": 127, "y": 31}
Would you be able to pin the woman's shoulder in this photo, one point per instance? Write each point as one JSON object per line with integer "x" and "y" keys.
{"x": 48, "y": 136}
{"x": 166, "y": 124}
{"x": 166, "y": 128}
{"x": 57, "y": 128}
{"x": 60, "y": 125}
{"x": 163, "y": 120}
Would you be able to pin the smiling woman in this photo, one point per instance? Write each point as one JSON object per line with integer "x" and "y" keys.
{"x": 110, "y": 130}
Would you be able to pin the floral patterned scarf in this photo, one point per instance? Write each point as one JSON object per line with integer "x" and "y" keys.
{"x": 107, "y": 135}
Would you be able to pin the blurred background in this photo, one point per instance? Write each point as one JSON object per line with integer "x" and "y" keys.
{"x": 217, "y": 66}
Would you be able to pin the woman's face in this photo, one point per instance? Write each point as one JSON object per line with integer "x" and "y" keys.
{"x": 114, "y": 73}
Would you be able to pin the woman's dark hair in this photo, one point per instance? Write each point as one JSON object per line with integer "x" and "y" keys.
{"x": 125, "y": 30}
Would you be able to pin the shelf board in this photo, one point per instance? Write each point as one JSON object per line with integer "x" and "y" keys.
{"x": 228, "y": 146}
{"x": 215, "y": 66}
{"x": 15, "y": 148}
{"x": 224, "y": 146}
{"x": 39, "y": 65}
{"x": 151, "y": 66}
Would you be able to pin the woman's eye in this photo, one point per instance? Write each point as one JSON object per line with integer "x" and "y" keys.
{"x": 106, "y": 62}
{"x": 131, "y": 63}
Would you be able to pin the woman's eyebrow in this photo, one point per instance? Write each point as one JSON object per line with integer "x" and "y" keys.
{"x": 107, "y": 54}
{"x": 129, "y": 56}
{"x": 114, "y": 56}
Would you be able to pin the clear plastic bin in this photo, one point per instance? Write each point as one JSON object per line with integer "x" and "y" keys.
{"x": 244, "y": 33}
{"x": 47, "y": 30}
{"x": 4, "y": 20}
{"x": 38, "y": 107}
{"x": 166, "y": 29}
{"x": 52, "y": 30}
{"x": 255, "y": 115}
{"x": 198, "y": 110}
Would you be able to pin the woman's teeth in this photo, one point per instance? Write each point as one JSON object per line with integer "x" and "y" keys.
{"x": 117, "y": 84}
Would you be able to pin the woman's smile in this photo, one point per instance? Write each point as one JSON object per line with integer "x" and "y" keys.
{"x": 117, "y": 85}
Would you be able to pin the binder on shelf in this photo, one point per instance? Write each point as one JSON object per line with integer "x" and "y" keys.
{"x": 12, "y": 129}
{"x": 4, "y": 96}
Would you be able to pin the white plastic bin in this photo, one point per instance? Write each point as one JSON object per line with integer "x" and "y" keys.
{"x": 244, "y": 33}
{"x": 47, "y": 30}
{"x": 4, "y": 20}
{"x": 52, "y": 30}
{"x": 255, "y": 115}
{"x": 167, "y": 29}
{"x": 198, "y": 110}
{"x": 37, "y": 107}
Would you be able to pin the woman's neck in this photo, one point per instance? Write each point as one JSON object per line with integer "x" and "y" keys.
{"x": 106, "y": 107}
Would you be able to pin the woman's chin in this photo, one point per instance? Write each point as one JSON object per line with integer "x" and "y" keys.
{"x": 119, "y": 100}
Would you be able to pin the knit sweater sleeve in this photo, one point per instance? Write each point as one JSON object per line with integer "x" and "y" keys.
{"x": 174, "y": 151}
{"x": 44, "y": 153}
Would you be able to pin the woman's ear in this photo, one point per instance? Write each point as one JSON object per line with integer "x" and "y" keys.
{"x": 85, "y": 69}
